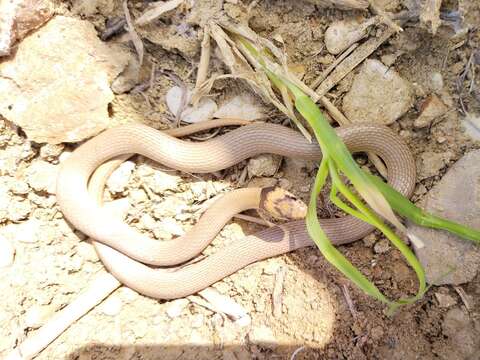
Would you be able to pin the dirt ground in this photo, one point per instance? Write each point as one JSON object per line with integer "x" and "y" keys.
{"x": 315, "y": 318}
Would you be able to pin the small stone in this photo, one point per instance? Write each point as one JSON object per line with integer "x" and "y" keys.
{"x": 42, "y": 176}
{"x": 18, "y": 209}
{"x": 112, "y": 306}
{"x": 118, "y": 181}
{"x": 436, "y": 81}
{"x": 448, "y": 259}
{"x": 378, "y": 94}
{"x": 203, "y": 111}
{"x": 7, "y": 252}
{"x": 432, "y": 108}
{"x": 19, "y": 188}
{"x": 29, "y": 231}
{"x": 445, "y": 300}
{"x": 263, "y": 165}
{"x": 370, "y": 239}
{"x": 471, "y": 124}
{"x": 262, "y": 336}
{"x": 171, "y": 206}
{"x": 147, "y": 222}
{"x": 51, "y": 152}
{"x": 138, "y": 196}
{"x": 341, "y": 34}
{"x": 162, "y": 181}
{"x": 243, "y": 106}
{"x": 172, "y": 226}
{"x": 382, "y": 246}
{"x": 430, "y": 163}
{"x": 37, "y": 315}
{"x": 176, "y": 307}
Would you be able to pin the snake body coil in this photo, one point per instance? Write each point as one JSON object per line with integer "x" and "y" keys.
{"x": 125, "y": 251}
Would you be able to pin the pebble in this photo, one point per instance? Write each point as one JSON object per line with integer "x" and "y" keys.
{"x": 19, "y": 187}
{"x": 471, "y": 125}
{"x": 382, "y": 246}
{"x": 432, "y": 108}
{"x": 42, "y": 176}
{"x": 445, "y": 300}
{"x": 37, "y": 315}
{"x": 29, "y": 231}
{"x": 18, "y": 209}
{"x": 112, "y": 306}
{"x": 264, "y": 165}
{"x": 33, "y": 81}
{"x": 430, "y": 163}
{"x": 162, "y": 181}
{"x": 176, "y": 307}
{"x": 202, "y": 112}
{"x": 118, "y": 181}
{"x": 341, "y": 34}
{"x": 446, "y": 258}
{"x": 243, "y": 106}
{"x": 436, "y": 81}
{"x": 378, "y": 94}
{"x": 370, "y": 239}
{"x": 51, "y": 152}
{"x": 172, "y": 226}
{"x": 7, "y": 252}
{"x": 170, "y": 206}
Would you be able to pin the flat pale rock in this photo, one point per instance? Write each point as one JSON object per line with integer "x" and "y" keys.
{"x": 457, "y": 198}
{"x": 378, "y": 94}
{"x": 57, "y": 86}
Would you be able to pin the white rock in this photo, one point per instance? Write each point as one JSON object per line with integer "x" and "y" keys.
{"x": 341, "y": 34}
{"x": 163, "y": 181}
{"x": 378, "y": 94}
{"x": 60, "y": 92}
{"x": 172, "y": 226}
{"x": 176, "y": 307}
{"x": 18, "y": 209}
{"x": 7, "y": 252}
{"x": 42, "y": 176}
{"x": 382, "y": 246}
{"x": 29, "y": 231}
{"x": 112, "y": 306}
{"x": 471, "y": 124}
{"x": 37, "y": 315}
{"x": 203, "y": 111}
{"x": 243, "y": 106}
{"x": 118, "y": 181}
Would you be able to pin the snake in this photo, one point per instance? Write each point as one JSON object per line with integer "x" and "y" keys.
{"x": 169, "y": 269}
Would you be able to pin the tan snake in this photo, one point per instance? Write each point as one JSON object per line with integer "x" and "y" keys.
{"x": 129, "y": 255}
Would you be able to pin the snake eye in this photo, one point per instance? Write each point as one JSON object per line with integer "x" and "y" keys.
{"x": 282, "y": 204}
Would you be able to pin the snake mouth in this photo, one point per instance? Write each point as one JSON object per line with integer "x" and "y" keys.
{"x": 282, "y": 204}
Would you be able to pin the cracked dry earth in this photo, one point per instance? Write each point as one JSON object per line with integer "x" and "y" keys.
{"x": 321, "y": 315}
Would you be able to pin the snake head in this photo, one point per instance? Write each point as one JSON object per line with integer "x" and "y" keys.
{"x": 282, "y": 204}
